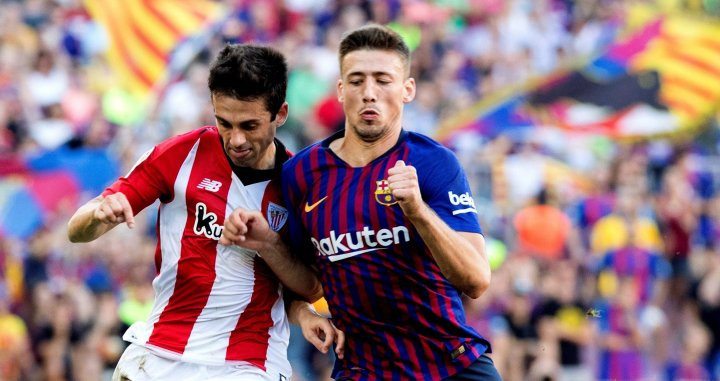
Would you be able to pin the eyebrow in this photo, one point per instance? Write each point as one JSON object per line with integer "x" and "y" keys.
{"x": 220, "y": 119}
{"x": 223, "y": 120}
{"x": 374, "y": 74}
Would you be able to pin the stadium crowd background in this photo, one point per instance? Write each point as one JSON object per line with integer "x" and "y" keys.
{"x": 620, "y": 272}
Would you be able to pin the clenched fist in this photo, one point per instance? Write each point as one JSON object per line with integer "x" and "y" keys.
{"x": 403, "y": 182}
{"x": 115, "y": 209}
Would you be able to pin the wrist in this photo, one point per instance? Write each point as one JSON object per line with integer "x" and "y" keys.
{"x": 418, "y": 213}
{"x": 271, "y": 243}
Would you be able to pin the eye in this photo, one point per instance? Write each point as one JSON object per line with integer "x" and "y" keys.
{"x": 249, "y": 126}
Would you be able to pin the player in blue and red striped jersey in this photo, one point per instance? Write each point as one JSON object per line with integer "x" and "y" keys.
{"x": 390, "y": 220}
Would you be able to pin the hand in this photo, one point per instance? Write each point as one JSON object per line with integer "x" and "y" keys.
{"x": 403, "y": 182}
{"x": 115, "y": 209}
{"x": 321, "y": 332}
{"x": 246, "y": 228}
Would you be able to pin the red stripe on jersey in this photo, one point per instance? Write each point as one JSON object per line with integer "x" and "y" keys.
{"x": 316, "y": 176}
{"x": 196, "y": 266}
{"x": 249, "y": 339}
{"x": 158, "y": 246}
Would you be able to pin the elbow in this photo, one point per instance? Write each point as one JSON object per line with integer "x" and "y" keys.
{"x": 314, "y": 293}
{"x": 478, "y": 286}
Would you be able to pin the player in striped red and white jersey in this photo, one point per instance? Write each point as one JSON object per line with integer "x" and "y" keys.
{"x": 219, "y": 311}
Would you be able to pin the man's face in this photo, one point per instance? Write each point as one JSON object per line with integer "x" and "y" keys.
{"x": 246, "y": 130}
{"x": 373, "y": 89}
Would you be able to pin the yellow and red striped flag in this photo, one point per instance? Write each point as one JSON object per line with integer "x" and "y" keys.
{"x": 143, "y": 34}
{"x": 686, "y": 54}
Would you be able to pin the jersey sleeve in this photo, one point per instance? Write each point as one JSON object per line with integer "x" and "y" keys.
{"x": 152, "y": 176}
{"x": 295, "y": 235}
{"x": 446, "y": 190}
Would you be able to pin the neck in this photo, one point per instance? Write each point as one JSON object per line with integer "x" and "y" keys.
{"x": 268, "y": 160}
{"x": 358, "y": 152}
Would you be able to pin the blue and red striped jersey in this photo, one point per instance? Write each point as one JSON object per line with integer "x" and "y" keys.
{"x": 402, "y": 318}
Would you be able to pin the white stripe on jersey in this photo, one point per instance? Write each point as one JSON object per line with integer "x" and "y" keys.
{"x": 232, "y": 290}
{"x": 172, "y": 219}
{"x": 279, "y": 339}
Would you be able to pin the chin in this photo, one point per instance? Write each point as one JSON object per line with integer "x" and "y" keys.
{"x": 370, "y": 133}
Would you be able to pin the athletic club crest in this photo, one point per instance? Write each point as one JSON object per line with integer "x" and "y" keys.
{"x": 276, "y": 216}
{"x": 383, "y": 194}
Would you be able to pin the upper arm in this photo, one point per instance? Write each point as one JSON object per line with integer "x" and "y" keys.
{"x": 446, "y": 190}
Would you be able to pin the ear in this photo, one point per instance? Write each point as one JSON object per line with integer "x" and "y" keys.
{"x": 409, "y": 90}
{"x": 282, "y": 115}
{"x": 339, "y": 89}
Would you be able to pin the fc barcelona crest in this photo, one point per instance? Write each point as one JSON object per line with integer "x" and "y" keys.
{"x": 383, "y": 194}
{"x": 276, "y": 216}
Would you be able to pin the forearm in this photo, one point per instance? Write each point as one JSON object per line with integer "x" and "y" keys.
{"x": 294, "y": 274}
{"x": 295, "y": 309}
{"x": 84, "y": 227}
{"x": 461, "y": 260}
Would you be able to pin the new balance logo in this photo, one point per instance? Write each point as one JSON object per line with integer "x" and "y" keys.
{"x": 210, "y": 185}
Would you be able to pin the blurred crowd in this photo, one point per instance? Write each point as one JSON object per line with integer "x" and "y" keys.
{"x": 606, "y": 255}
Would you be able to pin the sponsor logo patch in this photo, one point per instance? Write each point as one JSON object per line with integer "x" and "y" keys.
{"x": 337, "y": 247}
{"x": 206, "y": 222}
{"x": 464, "y": 200}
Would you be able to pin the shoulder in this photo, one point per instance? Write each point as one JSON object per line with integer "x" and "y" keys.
{"x": 298, "y": 158}
{"x": 429, "y": 153}
{"x": 186, "y": 140}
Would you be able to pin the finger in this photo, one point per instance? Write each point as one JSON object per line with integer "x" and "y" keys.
{"x": 127, "y": 211}
{"x": 107, "y": 213}
{"x": 239, "y": 222}
{"x": 399, "y": 164}
{"x": 116, "y": 206}
{"x": 230, "y": 228}
{"x": 339, "y": 343}
{"x": 257, "y": 220}
{"x": 315, "y": 341}
{"x": 100, "y": 214}
{"x": 329, "y": 336}
{"x": 404, "y": 184}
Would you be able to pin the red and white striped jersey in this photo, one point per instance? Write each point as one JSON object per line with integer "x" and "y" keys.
{"x": 214, "y": 304}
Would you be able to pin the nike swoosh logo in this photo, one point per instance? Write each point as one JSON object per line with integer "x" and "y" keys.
{"x": 309, "y": 208}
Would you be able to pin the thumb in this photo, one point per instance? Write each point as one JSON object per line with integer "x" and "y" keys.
{"x": 399, "y": 164}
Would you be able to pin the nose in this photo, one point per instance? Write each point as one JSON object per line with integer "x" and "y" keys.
{"x": 237, "y": 137}
{"x": 369, "y": 92}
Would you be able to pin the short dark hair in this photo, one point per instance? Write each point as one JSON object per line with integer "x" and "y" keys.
{"x": 374, "y": 36}
{"x": 249, "y": 72}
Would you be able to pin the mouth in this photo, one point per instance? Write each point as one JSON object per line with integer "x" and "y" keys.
{"x": 239, "y": 154}
{"x": 369, "y": 114}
